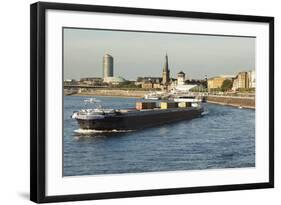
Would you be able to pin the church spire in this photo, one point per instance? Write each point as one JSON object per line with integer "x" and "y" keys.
{"x": 166, "y": 72}
{"x": 166, "y": 65}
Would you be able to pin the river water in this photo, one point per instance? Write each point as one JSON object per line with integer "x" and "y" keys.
{"x": 222, "y": 138}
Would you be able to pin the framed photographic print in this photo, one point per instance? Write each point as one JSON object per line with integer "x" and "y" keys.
{"x": 129, "y": 102}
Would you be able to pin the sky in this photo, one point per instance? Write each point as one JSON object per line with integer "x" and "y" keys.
{"x": 143, "y": 53}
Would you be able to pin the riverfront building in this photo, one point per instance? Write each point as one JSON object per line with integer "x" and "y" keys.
{"x": 149, "y": 82}
{"x": 181, "y": 78}
{"x": 70, "y": 82}
{"x": 107, "y": 66}
{"x": 91, "y": 81}
{"x": 108, "y": 76}
{"x": 244, "y": 80}
{"x": 152, "y": 79}
{"x": 115, "y": 80}
{"x": 235, "y": 84}
{"x": 216, "y": 82}
{"x": 252, "y": 78}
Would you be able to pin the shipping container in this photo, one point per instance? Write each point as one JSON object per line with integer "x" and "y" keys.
{"x": 184, "y": 104}
{"x": 145, "y": 105}
{"x": 167, "y": 105}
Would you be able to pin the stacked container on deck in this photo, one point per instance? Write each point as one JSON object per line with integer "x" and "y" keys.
{"x": 163, "y": 105}
{"x": 167, "y": 105}
{"x": 184, "y": 104}
{"x": 145, "y": 105}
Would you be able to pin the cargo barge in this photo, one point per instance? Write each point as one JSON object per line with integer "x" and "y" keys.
{"x": 146, "y": 114}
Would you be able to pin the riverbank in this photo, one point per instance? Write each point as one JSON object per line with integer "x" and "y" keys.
{"x": 114, "y": 93}
{"x": 234, "y": 101}
{"x": 91, "y": 95}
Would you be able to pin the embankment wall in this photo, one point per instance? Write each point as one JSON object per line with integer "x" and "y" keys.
{"x": 246, "y": 102}
{"x": 112, "y": 92}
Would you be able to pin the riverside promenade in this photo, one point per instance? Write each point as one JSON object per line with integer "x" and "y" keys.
{"x": 236, "y": 101}
{"x": 114, "y": 93}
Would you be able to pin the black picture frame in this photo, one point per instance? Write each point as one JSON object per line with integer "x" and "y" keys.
{"x": 38, "y": 100}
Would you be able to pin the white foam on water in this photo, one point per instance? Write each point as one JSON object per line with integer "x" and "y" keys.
{"x": 205, "y": 113}
{"x": 92, "y": 131}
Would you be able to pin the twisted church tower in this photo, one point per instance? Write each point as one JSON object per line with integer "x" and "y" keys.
{"x": 166, "y": 72}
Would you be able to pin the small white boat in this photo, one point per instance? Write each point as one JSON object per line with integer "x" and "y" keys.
{"x": 92, "y": 100}
{"x": 191, "y": 99}
{"x": 87, "y": 114}
{"x": 152, "y": 96}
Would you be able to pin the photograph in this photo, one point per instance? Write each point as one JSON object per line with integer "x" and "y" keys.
{"x": 150, "y": 101}
{"x": 134, "y": 102}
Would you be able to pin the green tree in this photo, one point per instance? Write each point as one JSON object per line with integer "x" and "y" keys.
{"x": 226, "y": 85}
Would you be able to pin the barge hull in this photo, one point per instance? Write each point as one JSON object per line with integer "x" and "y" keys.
{"x": 134, "y": 122}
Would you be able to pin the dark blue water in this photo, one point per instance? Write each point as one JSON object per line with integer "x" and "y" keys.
{"x": 224, "y": 138}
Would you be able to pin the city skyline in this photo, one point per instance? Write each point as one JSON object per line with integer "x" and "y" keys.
{"x": 143, "y": 54}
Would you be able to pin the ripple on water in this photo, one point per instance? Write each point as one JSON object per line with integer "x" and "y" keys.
{"x": 222, "y": 138}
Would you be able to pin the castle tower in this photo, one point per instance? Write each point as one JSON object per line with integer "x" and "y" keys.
{"x": 166, "y": 72}
{"x": 181, "y": 78}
